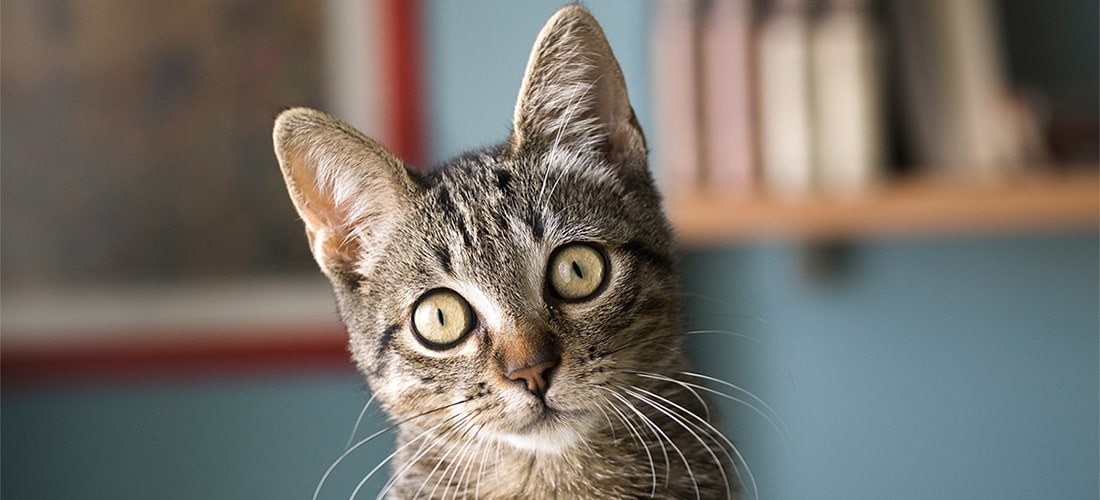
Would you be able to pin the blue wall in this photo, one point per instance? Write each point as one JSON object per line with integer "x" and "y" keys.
{"x": 934, "y": 369}
{"x": 263, "y": 438}
{"x": 477, "y": 51}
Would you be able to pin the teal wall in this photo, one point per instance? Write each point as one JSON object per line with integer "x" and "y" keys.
{"x": 962, "y": 368}
{"x": 263, "y": 437}
{"x": 477, "y": 51}
{"x": 953, "y": 368}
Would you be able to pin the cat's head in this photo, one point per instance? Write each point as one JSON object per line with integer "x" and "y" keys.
{"x": 511, "y": 287}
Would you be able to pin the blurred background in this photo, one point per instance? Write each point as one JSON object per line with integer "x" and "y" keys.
{"x": 890, "y": 207}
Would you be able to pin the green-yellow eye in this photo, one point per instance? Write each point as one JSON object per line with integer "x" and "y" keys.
{"x": 576, "y": 271}
{"x": 442, "y": 318}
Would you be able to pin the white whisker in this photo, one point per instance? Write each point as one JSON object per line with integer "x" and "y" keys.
{"x": 355, "y": 429}
{"x": 472, "y": 457}
{"x": 714, "y": 434}
{"x": 349, "y": 451}
{"x": 676, "y": 418}
{"x": 465, "y": 425}
{"x": 456, "y": 464}
{"x": 689, "y": 387}
{"x": 776, "y": 423}
{"x": 421, "y": 451}
{"x": 634, "y": 434}
{"x": 652, "y": 425}
{"x": 750, "y": 338}
{"x": 388, "y": 458}
{"x": 475, "y": 456}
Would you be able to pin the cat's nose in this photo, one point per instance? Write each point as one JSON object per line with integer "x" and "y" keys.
{"x": 537, "y": 376}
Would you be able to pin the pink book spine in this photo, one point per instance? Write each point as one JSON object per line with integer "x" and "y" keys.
{"x": 728, "y": 114}
{"x": 675, "y": 71}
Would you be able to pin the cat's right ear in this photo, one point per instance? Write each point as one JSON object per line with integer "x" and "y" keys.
{"x": 346, "y": 187}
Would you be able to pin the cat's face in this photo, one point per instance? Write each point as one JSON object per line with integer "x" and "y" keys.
{"x": 512, "y": 282}
{"x": 511, "y": 290}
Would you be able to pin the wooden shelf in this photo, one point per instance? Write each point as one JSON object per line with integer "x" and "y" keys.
{"x": 918, "y": 208}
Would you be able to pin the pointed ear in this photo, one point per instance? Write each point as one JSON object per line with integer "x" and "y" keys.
{"x": 573, "y": 92}
{"x": 347, "y": 188}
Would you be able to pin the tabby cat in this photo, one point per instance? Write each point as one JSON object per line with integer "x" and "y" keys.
{"x": 516, "y": 310}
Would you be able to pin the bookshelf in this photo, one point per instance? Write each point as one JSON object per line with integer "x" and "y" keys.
{"x": 842, "y": 93}
{"x": 920, "y": 207}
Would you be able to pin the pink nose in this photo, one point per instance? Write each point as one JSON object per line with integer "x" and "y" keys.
{"x": 536, "y": 376}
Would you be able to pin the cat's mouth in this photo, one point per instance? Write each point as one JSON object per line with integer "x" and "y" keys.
{"x": 547, "y": 431}
{"x": 545, "y": 428}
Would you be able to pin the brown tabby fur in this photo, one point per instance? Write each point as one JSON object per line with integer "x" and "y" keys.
{"x": 619, "y": 419}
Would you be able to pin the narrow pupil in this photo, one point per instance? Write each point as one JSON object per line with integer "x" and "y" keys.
{"x": 439, "y": 314}
{"x": 577, "y": 270}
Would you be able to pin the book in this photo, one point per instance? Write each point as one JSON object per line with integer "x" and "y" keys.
{"x": 728, "y": 116}
{"x": 953, "y": 86}
{"x": 786, "y": 143}
{"x": 676, "y": 97}
{"x": 847, "y": 117}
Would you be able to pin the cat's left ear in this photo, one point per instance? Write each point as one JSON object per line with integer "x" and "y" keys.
{"x": 573, "y": 93}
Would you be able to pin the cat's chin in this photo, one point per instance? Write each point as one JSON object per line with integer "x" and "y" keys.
{"x": 550, "y": 432}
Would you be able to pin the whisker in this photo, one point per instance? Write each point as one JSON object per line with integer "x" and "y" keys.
{"x": 607, "y": 417}
{"x": 652, "y": 425}
{"x": 424, "y": 449}
{"x": 465, "y": 440}
{"x": 771, "y": 416}
{"x": 689, "y": 387}
{"x": 481, "y": 470}
{"x": 355, "y": 429}
{"x": 389, "y": 457}
{"x": 784, "y": 434}
{"x": 661, "y": 338}
{"x": 745, "y": 336}
{"x": 463, "y": 479}
{"x": 708, "y": 428}
{"x": 641, "y": 442}
{"x": 438, "y": 462}
{"x": 748, "y": 470}
{"x": 679, "y": 420}
{"x": 773, "y": 419}
{"x": 639, "y": 342}
{"x": 349, "y": 451}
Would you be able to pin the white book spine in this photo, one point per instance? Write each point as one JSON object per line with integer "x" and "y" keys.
{"x": 785, "y": 127}
{"x": 848, "y": 136}
{"x": 984, "y": 143}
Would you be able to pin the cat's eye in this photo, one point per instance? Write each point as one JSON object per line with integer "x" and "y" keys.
{"x": 576, "y": 271}
{"x": 442, "y": 318}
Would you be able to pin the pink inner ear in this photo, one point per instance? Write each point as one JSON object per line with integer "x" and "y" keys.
{"x": 330, "y": 236}
{"x": 347, "y": 188}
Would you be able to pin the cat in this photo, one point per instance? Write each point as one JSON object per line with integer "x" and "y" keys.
{"x": 516, "y": 310}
